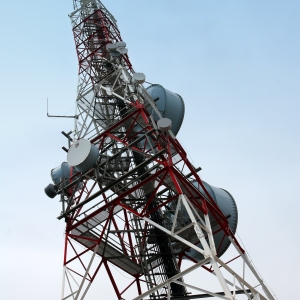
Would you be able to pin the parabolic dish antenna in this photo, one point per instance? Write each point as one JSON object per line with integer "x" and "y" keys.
{"x": 82, "y": 155}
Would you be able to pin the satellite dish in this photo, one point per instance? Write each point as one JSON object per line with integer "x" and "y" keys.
{"x": 164, "y": 124}
{"x": 111, "y": 47}
{"x": 115, "y": 53}
{"x": 62, "y": 171}
{"x": 122, "y": 50}
{"x": 228, "y": 206}
{"x": 50, "y": 190}
{"x": 120, "y": 44}
{"x": 82, "y": 155}
{"x": 138, "y": 78}
{"x": 117, "y": 49}
{"x": 169, "y": 104}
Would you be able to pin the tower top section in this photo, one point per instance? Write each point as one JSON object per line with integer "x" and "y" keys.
{"x": 89, "y": 6}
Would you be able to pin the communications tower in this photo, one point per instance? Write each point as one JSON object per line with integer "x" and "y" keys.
{"x": 130, "y": 197}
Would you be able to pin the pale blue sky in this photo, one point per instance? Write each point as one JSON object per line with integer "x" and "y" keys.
{"x": 235, "y": 63}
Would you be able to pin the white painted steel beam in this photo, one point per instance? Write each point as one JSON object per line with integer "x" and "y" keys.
{"x": 174, "y": 278}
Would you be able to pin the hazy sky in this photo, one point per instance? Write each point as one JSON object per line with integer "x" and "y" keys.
{"x": 235, "y": 63}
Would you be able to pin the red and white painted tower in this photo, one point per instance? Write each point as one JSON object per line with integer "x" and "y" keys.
{"x": 130, "y": 197}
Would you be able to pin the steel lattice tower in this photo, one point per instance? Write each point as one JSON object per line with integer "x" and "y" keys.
{"x": 142, "y": 206}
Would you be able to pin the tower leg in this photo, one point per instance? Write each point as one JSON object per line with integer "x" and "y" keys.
{"x": 207, "y": 250}
{"x": 250, "y": 266}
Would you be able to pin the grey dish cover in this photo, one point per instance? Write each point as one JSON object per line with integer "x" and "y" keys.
{"x": 169, "y": 104}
